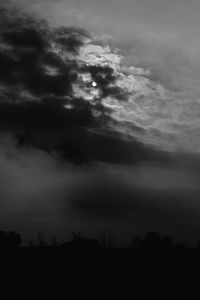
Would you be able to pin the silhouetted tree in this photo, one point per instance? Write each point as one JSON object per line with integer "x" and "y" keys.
{"x": 79, "y": 242}
{"x": 54, "y": 242}
{"x": 9, "y": 239}
{"x": 31, "y": 243}
{"x": 107, "y": 239}
{"x": 153, "y": 244}
{"x": 41, "y": 241}
{"x": 136, "y": 243}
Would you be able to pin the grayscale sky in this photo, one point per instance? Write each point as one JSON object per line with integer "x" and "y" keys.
{"x": 39, "y": 192}
{"x": 172, "y": 20}
{"x": 160, "y": 35}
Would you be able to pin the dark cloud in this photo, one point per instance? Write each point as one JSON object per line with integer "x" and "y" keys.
{"x": 38, "y": 58}
{"x": 26, "y": 67}
{"x": 24, "y": 38}
{"x": 26, "y": 53}
{"x": 47, "y": 114}
{"x": 70, "y": 38}
{"x": 79, "y": 146}
{"x": 39, "y": 66}
{"x": 31, "y": 65}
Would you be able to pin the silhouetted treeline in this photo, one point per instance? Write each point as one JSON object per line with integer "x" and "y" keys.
{"x": 9, "y": 239}
{"x": 152, "y": 243}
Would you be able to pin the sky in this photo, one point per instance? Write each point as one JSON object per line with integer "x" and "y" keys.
{"x": 99, "y": 117}
{"x": 165, "y": 21}
{"x": 159, "y": 36}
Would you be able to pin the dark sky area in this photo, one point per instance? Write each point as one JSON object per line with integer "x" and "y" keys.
{"x": 99, "y": 118}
